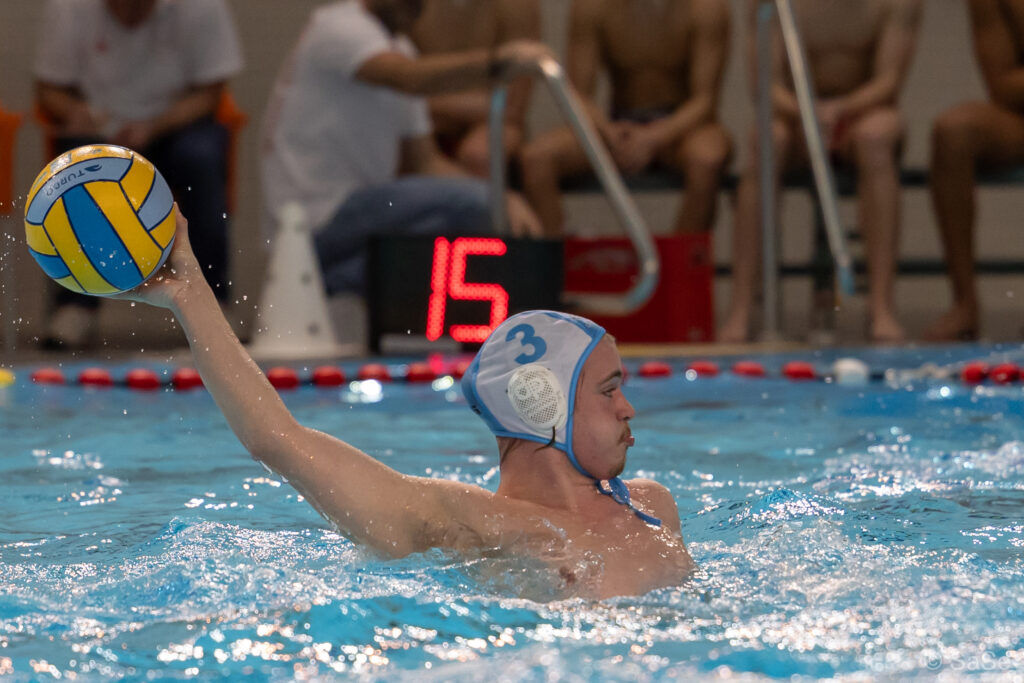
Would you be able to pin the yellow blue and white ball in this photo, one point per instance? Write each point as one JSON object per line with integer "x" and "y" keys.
{"x": 100, "y": 219}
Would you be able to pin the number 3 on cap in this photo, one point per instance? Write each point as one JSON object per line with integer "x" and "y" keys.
{"x": 529, "y": 338}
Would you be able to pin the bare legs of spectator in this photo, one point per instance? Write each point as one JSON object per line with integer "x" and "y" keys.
{"x": 701, "y": 156}
{"x": 875, "y": 139}
{"x": 546, "y": 160}
{"x": 965, "y": 137}
{"x": 473, "y": 150}
{"x": 746, "y": 236}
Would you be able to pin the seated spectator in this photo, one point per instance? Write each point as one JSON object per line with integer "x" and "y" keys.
{"x": 145, "y": 74}
{"x": 348, "y": 134}
{"x": 664, "y": 61}
{"x": 460, "y": 118}
{"x": 977, "y": 135}
{"x": 858, "y": 56}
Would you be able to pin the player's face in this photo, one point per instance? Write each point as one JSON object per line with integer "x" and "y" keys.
{"x": 397, "y": 15}
{"x": 600, "y": 431}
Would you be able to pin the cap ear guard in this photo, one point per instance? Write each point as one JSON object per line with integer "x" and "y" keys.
{"x": 538, "y": 400}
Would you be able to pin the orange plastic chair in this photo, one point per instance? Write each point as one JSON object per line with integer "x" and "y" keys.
{"x": 234, "y": 119}
{"x": 9, "y": 122}
{"x": 227, "y": 114}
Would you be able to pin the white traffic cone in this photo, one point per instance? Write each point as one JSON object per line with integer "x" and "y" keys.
{"x": 293, "y": 322}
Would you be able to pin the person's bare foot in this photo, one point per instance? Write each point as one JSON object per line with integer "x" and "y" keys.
{"x": 959, "y": 323}
{"x": 736, "y": 329}
{"x": 885, "y": 329}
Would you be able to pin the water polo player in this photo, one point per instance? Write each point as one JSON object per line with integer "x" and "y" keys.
{"x": 548, "y": 385}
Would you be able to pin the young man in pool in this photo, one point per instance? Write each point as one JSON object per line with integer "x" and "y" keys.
{"x": 548, "y": 385}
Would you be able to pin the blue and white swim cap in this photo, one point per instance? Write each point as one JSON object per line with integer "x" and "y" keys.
{"x": 523, "y": 384}
{"x": 523, "y": 380}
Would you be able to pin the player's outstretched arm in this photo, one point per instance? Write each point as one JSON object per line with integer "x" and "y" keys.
{"x": 369, "y": 502}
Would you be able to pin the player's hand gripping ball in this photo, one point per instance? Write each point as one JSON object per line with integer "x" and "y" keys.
{"x": 99, "y": 219}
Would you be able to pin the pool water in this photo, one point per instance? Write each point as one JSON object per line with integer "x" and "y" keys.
{"x": 841, "y": 530}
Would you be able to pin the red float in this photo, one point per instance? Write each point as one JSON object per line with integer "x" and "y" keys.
{"x": 375, "y": 371}
{"x": 799, "y": 370}
{"x": 1004, "y": 373}
{"x": 420, "y": 372}
{"x": 48, "y": 376}
{"x": 283, "y": 378}
{"x": 142, "y": 379}
{"x": 654, "y": 368}
{"x": 974, "y": 373}
{"x": 186, "y": 378}
{"x": 95, "y": 377}
{"x": 748, "y": 368}
{"x": 703, "y": 368}
{"x": 328, "y": 376}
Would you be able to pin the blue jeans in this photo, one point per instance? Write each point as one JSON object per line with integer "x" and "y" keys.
{"x": 193, "y": 160}
{"x": 414, "y": 205}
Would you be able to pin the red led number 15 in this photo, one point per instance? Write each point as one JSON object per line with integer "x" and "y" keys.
{"x": 448, "y": 279}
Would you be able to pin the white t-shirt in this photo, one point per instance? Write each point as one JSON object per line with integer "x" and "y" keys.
{"x": 328, "y": 134}
{"x": 132, "y": 74}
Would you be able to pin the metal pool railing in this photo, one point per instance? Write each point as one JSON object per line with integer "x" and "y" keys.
{"x": 623, "y": 205}
{"x": 824, "y": 181}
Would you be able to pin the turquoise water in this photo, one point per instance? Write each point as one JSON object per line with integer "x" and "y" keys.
{"x": 871, "y": 530}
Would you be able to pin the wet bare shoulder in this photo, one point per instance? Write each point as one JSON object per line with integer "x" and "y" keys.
{"x": 652, "y": 497}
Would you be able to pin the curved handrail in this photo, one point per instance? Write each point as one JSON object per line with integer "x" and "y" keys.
{"x": 766, "y": 168}
{"x": 824, "y": 180}
{"x": 496, "y": 157}
{"x": 623, "y": 205}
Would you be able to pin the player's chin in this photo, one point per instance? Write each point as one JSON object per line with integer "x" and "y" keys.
{"x": 619, "y": 468}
